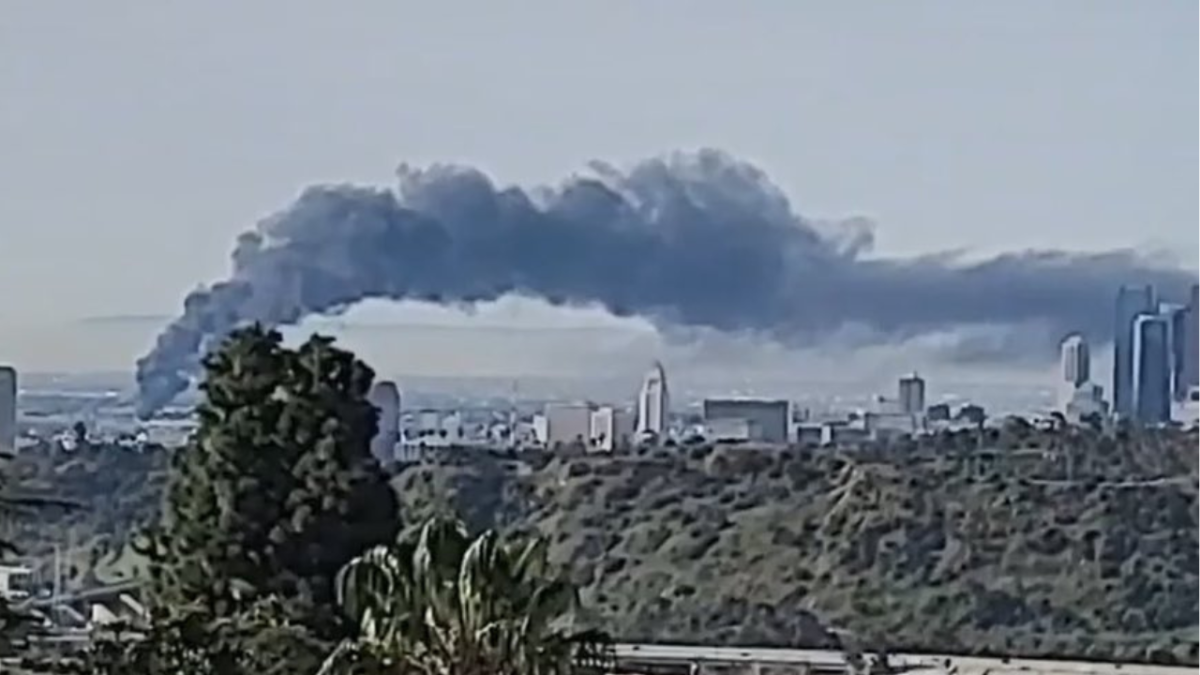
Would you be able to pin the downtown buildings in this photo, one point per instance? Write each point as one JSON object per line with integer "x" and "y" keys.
{"x": 653, "y": 404}
{"x": 1076, "y": 360}
{"x": 759, "y": 420}
{"x": 1078, "y": 396}
{"x": 1156, "y": 354}
{"x": 912, "y": 395}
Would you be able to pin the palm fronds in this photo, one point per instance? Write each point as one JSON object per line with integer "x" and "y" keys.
{"x": 440, "y": 602}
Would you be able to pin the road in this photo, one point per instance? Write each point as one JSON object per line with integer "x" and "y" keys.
{"x": 829, "y": 660}
{"x": 929, "y": 663}
{"x": 1124, "y": 484}
{"x": 825, "y": 660}
{"x": 111, "y": 590}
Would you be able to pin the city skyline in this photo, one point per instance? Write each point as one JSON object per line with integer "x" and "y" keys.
{"x": 1156, "y": 356}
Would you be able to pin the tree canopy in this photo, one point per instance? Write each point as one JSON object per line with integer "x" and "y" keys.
{"x": 277, "y": 488}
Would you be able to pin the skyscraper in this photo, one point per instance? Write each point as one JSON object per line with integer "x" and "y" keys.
{"x": 912, "y": 395}
{"x": 1076, "y": 363}
{"x": 1190, "y": 350}
{"x": 8, "y": 409}
{"x": 1176, "y": 317}
{"x": 1132, "y": 301}
{"x": 1151, "y": 376}
{"x": 385, "y": 396}
{"x": 653, "y": 403}
{"x": 1076, "y": 360}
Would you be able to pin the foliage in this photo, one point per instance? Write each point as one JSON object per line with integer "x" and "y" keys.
{"x": 1025, "y": 541}
{"x": 14, "y": 624}
{"x": 438, "y": 602}
{"x": 253, "y": 641}
{"x": 15, "y": 507}
{"x": 1062, "y": 542}
{"x": 118, "y": 491}
{"x": 275, "y": 491}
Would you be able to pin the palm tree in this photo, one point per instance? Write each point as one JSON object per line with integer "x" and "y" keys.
{"x": 438, "y": 602}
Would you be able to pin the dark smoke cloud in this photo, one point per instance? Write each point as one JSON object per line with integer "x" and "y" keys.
{"x": 688, "y": 240}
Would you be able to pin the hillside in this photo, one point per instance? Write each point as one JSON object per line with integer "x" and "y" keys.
{"x": 932, "y": 549}
{"x": 1020, "y": 542}
{"x": 113, "y": 492}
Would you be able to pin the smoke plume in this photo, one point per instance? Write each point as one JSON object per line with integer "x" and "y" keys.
{"x": 686, "y": 240}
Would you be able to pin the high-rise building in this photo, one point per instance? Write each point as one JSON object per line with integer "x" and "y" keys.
{"x": 912, "y": 395}
{"x": 1151, "y": 376}
{"x": 1132, "y": 301}
{"x": 1190, "y": 350}
{"x": 1076, "y": 360}
{"x": 1076, "y": 367}
{"x": 654, "y": 402}
{"x": 385, "y": 396}
{"x": 8, "y": 409}
{"x": 1177, "y": 318}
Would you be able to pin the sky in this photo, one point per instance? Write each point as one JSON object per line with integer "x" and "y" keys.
{"x": 138, "y": 138}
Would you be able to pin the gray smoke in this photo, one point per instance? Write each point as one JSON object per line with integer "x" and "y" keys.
{"x": 687, "y": 240}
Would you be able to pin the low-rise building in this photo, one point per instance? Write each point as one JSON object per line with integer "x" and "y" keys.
{"x": 810, "y": 433}
{"x": 844, "y": 434}
{"x": 767, "y": 421}
{"x": 882, "y": 426}
{"x": 732, "y": 430}
{"x": 568, "y": 423}
{"x": 1187, "y": 410}
{"x": 611, "y": 429}
{"x": 938, "y": 412}
{"x": 1086, "y": 400}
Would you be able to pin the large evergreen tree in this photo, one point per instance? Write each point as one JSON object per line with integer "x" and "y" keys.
{"x": 277, "y": 488}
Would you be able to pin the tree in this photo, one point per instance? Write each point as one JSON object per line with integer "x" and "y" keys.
{"x": 438, "y": 602}
{"x": 80, "y": 431}
{"x": 196, "y": 645}
{"x": 275, "y": 491}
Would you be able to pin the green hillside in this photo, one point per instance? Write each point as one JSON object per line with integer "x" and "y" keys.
{"x": 1072, "y": 546}
{"x": 1019, "y": 541}
{"x": 112, "y": 491}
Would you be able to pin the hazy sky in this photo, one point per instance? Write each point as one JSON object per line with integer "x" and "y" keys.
{"x": 138, "y": 138}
